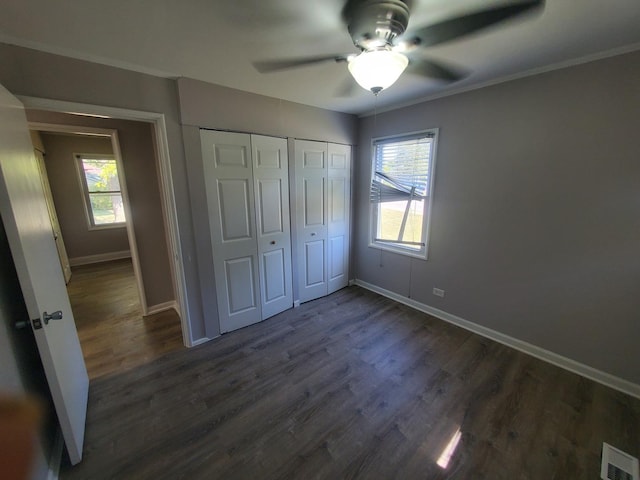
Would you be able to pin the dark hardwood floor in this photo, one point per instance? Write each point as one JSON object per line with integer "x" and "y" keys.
{"x": 352, "y": 386}
{"x": 113, "y": 333}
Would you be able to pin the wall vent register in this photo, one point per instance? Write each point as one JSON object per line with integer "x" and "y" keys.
{"x": 618, "y": 465}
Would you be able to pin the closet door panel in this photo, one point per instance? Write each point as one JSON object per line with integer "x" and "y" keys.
{"x": 270, "y": 206}
{"x": 314, "y": 202}
{"x": 239, "y": 274}
{"x": 336, "y": 256}
{"x": 234, "y": 209}
{"x": 230, "y": 201}
{"x": 339, "y": 219}
{"x": 274, "y": 276}
{"x": 311, "y": 218}
{"x": 271, "y": 182}
{"x": 315, "y": 274}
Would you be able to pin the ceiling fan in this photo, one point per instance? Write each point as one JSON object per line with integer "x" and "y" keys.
{"x": 378, "y": 29}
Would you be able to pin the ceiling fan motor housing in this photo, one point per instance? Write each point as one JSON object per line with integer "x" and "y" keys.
{"x": 374, "y": 24}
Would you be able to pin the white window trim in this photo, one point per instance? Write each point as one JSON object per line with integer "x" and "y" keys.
{"x": 422, "y": 254}
{"x": 85, "y": 189}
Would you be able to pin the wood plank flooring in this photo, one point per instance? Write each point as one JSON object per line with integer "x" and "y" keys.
{"x": 351, "y": 386}
{"x": 113, "y": 333}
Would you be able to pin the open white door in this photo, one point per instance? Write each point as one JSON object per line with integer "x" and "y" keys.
{"x": 26, "y": 220}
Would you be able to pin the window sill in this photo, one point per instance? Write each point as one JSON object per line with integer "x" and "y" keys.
{"x": 421, "y": 255}
{"x": 109, "y": 226}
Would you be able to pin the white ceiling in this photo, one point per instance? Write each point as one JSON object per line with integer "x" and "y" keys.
{"x": 216, "y": 41}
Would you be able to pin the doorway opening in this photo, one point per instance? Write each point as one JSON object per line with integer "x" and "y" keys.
{"x": 111, "y": 237}
{"x": 114, "y": 334}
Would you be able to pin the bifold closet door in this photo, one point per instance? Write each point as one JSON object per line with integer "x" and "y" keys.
{"x": 271, "y": 187}
{"x": 338, "y": 223}
{"x": 323, "y": 202}
{"x": 228, "y": 173}
{"x": 311, "y": 218}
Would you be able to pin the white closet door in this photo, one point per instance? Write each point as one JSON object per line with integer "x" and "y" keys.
{"x": 339, "y": 205}
{"x": 230, "y": 198}
{"x": 311, "y": 218}
{"x": 271, "y": 186}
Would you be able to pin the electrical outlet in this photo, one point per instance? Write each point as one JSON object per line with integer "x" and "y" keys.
{"x": 438, "y": 292}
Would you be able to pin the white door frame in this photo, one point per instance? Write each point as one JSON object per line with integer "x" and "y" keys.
{"x": 166, "y": 183}
{"x": 115, "y": 147}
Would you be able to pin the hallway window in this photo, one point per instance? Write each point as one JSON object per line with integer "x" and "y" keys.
{"x": 101, "y": 186}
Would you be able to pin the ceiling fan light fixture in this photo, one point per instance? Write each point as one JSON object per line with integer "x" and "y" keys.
{"x": 375, "y": 70}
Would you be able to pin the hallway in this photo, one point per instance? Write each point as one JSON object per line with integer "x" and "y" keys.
{"x": 114, "y": 335}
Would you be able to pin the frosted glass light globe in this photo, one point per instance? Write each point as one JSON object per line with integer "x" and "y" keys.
{"x": 376, "y": 70}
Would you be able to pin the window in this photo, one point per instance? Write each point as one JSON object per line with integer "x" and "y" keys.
{"x": 101, "y": 187}
{"x": 402, "y": 178}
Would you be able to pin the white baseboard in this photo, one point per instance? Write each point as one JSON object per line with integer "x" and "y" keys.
{"x": 200, "y": 341}
{"x": 161, "y": 307}
{"x": 99, "y": 258}
{"x": 55, "y": 459}
{"x": 591, "y": 373}
{"x": 296, "y": 303}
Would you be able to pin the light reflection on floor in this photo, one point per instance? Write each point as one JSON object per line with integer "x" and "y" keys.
{"x": 447, "y": 453}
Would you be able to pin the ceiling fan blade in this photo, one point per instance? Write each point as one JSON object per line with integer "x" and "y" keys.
{"x": 460, "y": 26}
{"x": 269, "y": 66}
{"x": 435, "y": 69}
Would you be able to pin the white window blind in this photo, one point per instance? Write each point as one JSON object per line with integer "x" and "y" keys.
{"x": 401, "y": 169}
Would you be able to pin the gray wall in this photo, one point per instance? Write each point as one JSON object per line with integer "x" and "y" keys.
{"x": 39, "y": 74}
{"x": 211, "y": 106}
{"x": 21, "y": 372}
{"x": 68, "y": 196}
{"x": 535, "y": 221}
{"x": 141, "y": 175}
{"x": 536, "y": 215}
{"x": 44, "y": 75}
{"x": 203, "y": 105}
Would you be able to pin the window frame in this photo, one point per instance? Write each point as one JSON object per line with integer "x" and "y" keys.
{"x": 79, "y": 157}
{"x": 423, "y": 252}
